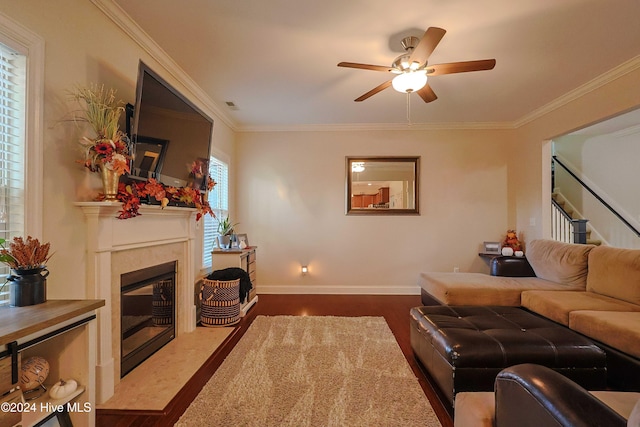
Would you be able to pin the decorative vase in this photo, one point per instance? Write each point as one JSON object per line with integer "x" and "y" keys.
{"x": 33, "y": 373}
{"x": 224, "y": 242}
{"x": 507, "y": 251}
{"x": 110, "y": 179}
{"x": 28, "y": 287}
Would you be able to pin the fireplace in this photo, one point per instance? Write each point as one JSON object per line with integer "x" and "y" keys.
{"x": 147, "y": 313}
{"x": 116, "y": 247}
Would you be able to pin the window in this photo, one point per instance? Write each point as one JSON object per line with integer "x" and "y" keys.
{"x": 21, "y": 102}
{"x": 12, "y": 144}
{"x": 219, "y": 202}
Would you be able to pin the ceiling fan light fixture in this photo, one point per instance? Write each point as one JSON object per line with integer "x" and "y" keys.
{"x": 409, "y": 81}
{"x": 357, "y": 167}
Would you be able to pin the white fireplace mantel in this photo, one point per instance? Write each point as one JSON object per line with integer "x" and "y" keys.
{"x": 152, "y": 232}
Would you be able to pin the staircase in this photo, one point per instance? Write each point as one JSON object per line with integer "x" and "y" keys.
{"x": 567, "y": 223}
{"x": 615, "y": 229}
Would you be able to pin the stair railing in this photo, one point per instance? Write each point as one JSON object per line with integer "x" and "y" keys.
{"x": 554, "y": 159}
{"x": 567, "y": 229}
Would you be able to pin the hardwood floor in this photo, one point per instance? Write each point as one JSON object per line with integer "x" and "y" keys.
{"x": 394, "y": 308}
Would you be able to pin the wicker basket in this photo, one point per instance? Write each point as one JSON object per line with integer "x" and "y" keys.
{"x": 162, "y": 309}
{"x": 220, "y": 302}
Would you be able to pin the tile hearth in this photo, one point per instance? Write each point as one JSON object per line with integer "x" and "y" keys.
{"x": 153, "y": 384}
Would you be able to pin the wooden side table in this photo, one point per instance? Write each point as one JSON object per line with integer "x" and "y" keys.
{"x": 243, "y": 258}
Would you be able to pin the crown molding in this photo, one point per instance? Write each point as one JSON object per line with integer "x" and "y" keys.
{"x": 380, "y": 127}
{"x": 114, "y": 12}
{"x": 602, "y": 80}
{"x": 137, "y": 34}
{"x": 627, "y": 132}
{"x": 621, "y": 70}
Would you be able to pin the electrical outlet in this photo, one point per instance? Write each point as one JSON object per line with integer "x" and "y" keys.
{"x": 532, "y": 221}
{"x": 456, "y": 270}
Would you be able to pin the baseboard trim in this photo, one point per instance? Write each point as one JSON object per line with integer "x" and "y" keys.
{"x": 339, "y": 290}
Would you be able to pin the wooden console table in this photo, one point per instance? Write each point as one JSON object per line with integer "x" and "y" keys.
{"x": 63, "y": 332}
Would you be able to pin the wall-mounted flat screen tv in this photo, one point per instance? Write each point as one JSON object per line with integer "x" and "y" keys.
{"x": 172, "y": 137}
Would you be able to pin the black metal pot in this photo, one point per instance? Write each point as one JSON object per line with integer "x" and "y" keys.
{"x": 27, "y": 287}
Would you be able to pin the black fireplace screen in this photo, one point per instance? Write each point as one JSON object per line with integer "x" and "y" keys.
{"x": 147, "y": 313}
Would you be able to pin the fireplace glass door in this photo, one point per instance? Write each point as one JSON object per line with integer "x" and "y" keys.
{"x": 147, "y": 317}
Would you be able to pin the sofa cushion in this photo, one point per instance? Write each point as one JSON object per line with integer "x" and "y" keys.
{"x": 620, "y": 330}
{"x": 615, "y": 272}
{"x": 559, "y": 262}
{"x": 474, "y": 409}
{"x": 480, "y": 289}
{"x": 556, "y": 305}
{"x": 623, "y": 402}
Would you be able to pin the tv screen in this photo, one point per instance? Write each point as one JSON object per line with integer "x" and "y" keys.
{"x": 171, "y": 135}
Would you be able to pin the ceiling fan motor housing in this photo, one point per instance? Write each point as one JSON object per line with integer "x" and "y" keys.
{"x": 401, "y": 63}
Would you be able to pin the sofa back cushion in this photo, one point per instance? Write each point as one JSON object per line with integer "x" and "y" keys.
{"x": 615, "y": 272}
{"x": 564, "y": 263}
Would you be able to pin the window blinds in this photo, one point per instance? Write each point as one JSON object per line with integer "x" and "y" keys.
{"x": 219, "y": 202}
{"x": 12, "y": 142}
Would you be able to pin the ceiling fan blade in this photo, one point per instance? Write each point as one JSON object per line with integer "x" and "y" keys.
{"x": 373, "y": 91}
{"x": 366, "y": 67}
{"x": 460, "y": 67}
{"x": 427, "y": 94}
{"x": 427, "y": 45}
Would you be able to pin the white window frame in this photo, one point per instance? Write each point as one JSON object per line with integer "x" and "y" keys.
{"x": 25, "y": 42}
{"x": 28, "y": 43}
{"x": 220, "y": 212}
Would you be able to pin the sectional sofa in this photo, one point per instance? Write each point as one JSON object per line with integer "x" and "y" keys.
{"x": 593, "y": 290}
{"x": 529, "y": 395}
{"x": 549, "y": 266}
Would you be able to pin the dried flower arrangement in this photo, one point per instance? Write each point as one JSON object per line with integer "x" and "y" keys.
{"x": 24, "y": 255}
{"x": 110, "y": 146}
{"x": 111, "y": 149}
{"x": 131, "y": 194}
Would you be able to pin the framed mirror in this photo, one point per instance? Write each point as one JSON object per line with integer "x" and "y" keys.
{"x": 382, "y": 185}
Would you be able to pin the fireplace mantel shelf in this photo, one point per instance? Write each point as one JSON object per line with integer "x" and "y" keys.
{"x": 115, "y": 207}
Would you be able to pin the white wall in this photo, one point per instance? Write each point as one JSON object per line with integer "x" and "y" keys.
{"x": 291, "y": 202}
{"x": 475, "y": 185}
{"x": 82, "y": 46}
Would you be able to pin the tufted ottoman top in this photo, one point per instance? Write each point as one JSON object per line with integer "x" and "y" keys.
{"x": 497, "y": 337}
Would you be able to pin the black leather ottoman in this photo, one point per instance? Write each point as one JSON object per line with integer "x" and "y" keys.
{"x": 464, "y": 347}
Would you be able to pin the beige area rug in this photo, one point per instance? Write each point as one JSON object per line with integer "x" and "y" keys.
{"x": 313, "y": 371}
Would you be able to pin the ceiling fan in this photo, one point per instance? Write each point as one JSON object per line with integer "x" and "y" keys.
{"x": 412, "y": 68}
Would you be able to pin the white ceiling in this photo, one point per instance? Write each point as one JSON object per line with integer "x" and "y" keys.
{"x": 276, "y": 59}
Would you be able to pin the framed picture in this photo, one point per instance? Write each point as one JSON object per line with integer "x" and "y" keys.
{"x": 492, "y": 248}
{"x": 242, "y": 238}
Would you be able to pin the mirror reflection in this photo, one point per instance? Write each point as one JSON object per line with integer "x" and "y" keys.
{"x": 382, "y": 185}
